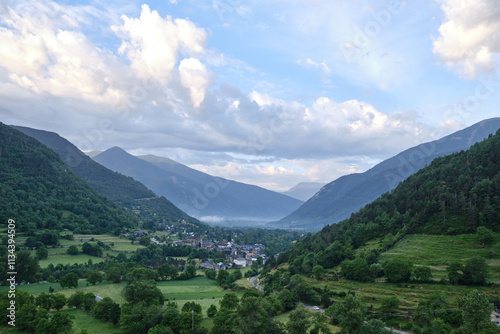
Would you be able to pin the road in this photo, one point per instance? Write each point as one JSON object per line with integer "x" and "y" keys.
{"x": 253, "y": 284}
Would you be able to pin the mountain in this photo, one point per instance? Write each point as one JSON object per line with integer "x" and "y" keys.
{"x": 455, "y": 194}
{"x": 121, "y": 189}
{"x": 304, "y": 190}
{"x": 209, "y": 198}
{"x": 39, "y": 191}
{"x": 347, "y": 194}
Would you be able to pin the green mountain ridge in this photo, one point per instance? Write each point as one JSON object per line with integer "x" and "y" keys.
{"x": 151, "y": 209}
{"x": 347, "y": 194}
{"x": 39, "y": 191}
{"x": 455, "y": 194}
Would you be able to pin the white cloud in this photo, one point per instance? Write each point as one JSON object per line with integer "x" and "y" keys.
{"x": 152, "y": 44}
{"x": 194, "y": 76}
{"x": 469, "y": 40}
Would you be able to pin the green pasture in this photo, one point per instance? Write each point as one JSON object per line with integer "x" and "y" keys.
{"x": 438, "y": 251}
{"x": 199, "y": 289}
{"x": 435, "y": 251}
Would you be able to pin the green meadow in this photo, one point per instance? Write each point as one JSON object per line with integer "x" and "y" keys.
{"x": 435, "y": 251}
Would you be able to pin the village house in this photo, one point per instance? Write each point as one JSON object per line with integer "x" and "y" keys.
{"x": 495, "y": 316}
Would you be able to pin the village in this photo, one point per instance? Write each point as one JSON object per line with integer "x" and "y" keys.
{"x": 234, "y": 255}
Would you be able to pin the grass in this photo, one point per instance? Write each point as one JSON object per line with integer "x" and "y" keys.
{"x": 429, "y": 250}
{"x": 71, "y": 259}
{"x": 438, "y": 251}
{"x": 84, "y": 320}
{"x": 59, "y": 254}
{"x": 199, "y": 289}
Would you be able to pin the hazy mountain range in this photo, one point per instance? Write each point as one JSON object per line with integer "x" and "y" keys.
{"x": 209, "y": 198}
{"x": 347, "y": 194}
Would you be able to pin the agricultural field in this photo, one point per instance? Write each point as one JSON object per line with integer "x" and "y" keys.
{"x": 201, "y": 290}
{"x": 437, "y": 252}
{"x": 117, "y": 245}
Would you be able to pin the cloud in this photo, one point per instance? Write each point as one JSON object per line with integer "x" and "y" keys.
{"x": 469, "y": 40}
{"x": 49, "y": 56}
{"x": 152, "y": 89}
{"x": 152, "y": 44}
{"x": 194, "y": 76}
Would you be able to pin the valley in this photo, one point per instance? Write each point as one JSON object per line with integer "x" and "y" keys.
{"x": 434, "y": 236}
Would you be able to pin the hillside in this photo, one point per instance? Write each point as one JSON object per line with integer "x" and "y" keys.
{"x": 338, "y": 199}
{"x": 201, "y": 195}
{"x": 121, "y": 189}
{"x": 40, "y": 191}
{"x": 455, "y": 194}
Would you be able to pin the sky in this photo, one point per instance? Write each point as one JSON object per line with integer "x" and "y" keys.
{"x": 270, "y": 93}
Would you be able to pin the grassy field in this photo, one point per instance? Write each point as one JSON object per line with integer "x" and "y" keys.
{"x": 438, "y": 251}
{"x": 82, "y": 320}
{"x": 429, "y": 250}
{"x": 199, "y": 289}
{"x": 117, "y": 245}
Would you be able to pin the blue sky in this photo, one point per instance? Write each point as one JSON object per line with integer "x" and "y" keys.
{"x": 265, "y": 92}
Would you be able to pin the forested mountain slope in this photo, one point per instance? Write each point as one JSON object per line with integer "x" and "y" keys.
{"x": 124, "y": 190}
{"x": 338, "y": 199}
{"x": 39, "y": 191}
{"x": 455, "y": 194}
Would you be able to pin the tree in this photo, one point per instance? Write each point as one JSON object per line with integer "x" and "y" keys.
{"x": 484, "y": 235}
{"x": 251, "y": 316}
{"x": 357, "y": 270}
{"x": 44, "y": 301}
{"x": 144, "y": 241}
{"x": 211, "y": 273}
{"x": 376, "y": 269}
{"x": 114, "y": 274}
{"x": 42, "y": 253}
{"x": 350, "y": 314}
{"x": 163, "y": 271}
{"x": 143, "y": 291}
{"x": 222, "y": 277}
{"x": 319, "y": 324}
{"x": 318, "y": 272}
{"x": 60, "y": 323}
{"x": 139, "y": 318}
{"x": 476, "y": 311}
{"x": 274, "y": 304}
{"x": 374, "y": 326}
{"x": 389, "y": 304}
{"x": 454, "y": 271}
{"x": 229, "y": 301}
{"x": 299, "y": 321}
{"x": 224, "y": 322}
{"x": 73, "y": 250}
{"x": 58, "y": 301}
{"x": 475, "y": 271}
{"x": 191, "y": 307}
{"x": 76, "y": 299}
{"x": 286, "y": 299}
{"x": 94, "y": 277}
{"x": 27, "y": 267}
{"x": 212, "y": 311}
{"x": 107, "y": 310}
{"x": 69, "y": 280}
{"x": 398, "y": 270}
{"x": 422, "y": 274}
{"x": 88, "y": 301}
